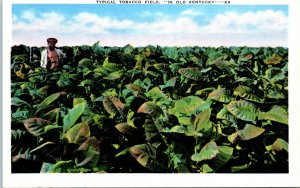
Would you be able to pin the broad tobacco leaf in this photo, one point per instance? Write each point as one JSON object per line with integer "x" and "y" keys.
{"x": 90, "y": 153}
{"x": 145, "y": 154}
{"x": 277, "y": 113}
{"x": 223, "y": 65}
{"x": 225, "y": 114}
{"x": 247, "y": 93}
{"x": 220, "y": 95}
{"x": 209, "y": 151}
{"x": 156, "y": 94}
{"x": 46, "y": 102}
{"x": 113, "y": 105}
{"x": 201, "y": 122}
{"x": 170, "y": 83}
{"x": 224, "y": 155}
{"x": 249, "y": 132}
{"x": 171, "y": 52}
{"x": 273, "y": 60}
{"x": 242, "y": 110}
{"x": 78, "y": 133}
{"x": 125, "y": 128}
{"x": 36, "y": 126}
{"x": 278, "y": 145}
{"x": 136, "y": 89}
{"x": 187, "y": 105}
{"x": 150, "y": 108}
{"x": 191, "y": 73}
{"x": 274, "y": 74}
{"x": 74, "y": 114}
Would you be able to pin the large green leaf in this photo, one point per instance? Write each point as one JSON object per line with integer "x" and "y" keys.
{"x": 274, "y": 74}
{"x": 74, "y": 114}
{"x": 171, "y": 52}
{"x": 90, "y": 153}
{"x": 150, "y": 108}
{"x": 170, "y": 83}
{"x": 225, "y": 114}
{"x": 46, "y": 102}
{"x": 223, "y": 65}
{"x": 243, "y": 110}
{"x": 250, "y": 132}
{"x": 224, "y": 155}
{"x": 220, "y": 95}
{"x": 36, "y": 126}
{"x": 136, "y": 89}
{"x": 277, "y": 113}
{"x": 16, "y": 101}
{"x": 278, "y": 145}
{"x": 78, "y": 133}
{"x": 206, "y": 105}
{"x": 247, "y": 133}
{"x": 113, "y": 105}
{"x": 247, "y": 93}
{"x": 125, "y": 128}
{"x": 145, "y": 154}
{"x": 156, "y": 94}
{"x": 191, "y": 73}
{"x": 187, "y": 105}
{"x": 201, "y": 122}
{"x": 273, "y": 60}
{"x": 209, "y": 151}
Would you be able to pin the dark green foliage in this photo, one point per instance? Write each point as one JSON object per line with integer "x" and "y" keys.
{"x": 150, "y": 109}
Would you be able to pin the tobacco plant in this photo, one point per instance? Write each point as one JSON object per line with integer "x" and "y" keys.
{"x": 150, "y": 109}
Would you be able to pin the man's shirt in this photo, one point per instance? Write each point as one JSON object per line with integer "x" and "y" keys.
{"x": 44, "y": 56}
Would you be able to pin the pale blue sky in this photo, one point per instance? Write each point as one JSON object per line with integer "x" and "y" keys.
{"x": 180, "y": 25}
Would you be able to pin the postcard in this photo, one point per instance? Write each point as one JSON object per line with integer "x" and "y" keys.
{"x": 150, "y": 93}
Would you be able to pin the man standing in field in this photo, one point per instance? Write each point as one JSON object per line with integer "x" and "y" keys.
{"x": 51, "y": 56}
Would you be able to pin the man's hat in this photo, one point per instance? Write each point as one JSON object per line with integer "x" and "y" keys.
{"x": 52, "y": 39}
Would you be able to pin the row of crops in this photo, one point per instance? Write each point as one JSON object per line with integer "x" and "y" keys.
{"x": 150, "y": 109}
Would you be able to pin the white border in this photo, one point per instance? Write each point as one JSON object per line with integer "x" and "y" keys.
{"x": 159, "y": 180}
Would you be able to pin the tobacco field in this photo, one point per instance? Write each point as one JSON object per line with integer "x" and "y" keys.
{"x": 150, "y": 109}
